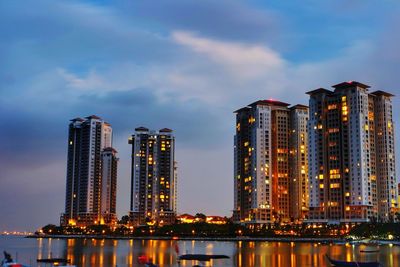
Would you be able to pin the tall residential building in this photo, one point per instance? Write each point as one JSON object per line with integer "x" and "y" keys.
{"x": 266, "y": 132}
{"x": 109, "y": 185}
{"x": 351, "y": 155}
{"x": 298, "y": 162}
{"x": 385, "y": 156}
{"x": 153, "y": 177}
{"x": 89, "y": 144}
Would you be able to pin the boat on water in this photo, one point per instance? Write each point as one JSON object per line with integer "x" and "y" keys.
{"x": 338, "y": 263}
{"x": 201, "y": 258}
{"x": 147, "y": 261}
{"x": 54, "y": 260}
{"x": 9, "y": 262}
{"x": 369, "y": 250}
{"x": 13, "y": 264}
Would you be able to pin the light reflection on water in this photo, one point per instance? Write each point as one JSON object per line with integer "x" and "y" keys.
{"x": 105, "y": 252}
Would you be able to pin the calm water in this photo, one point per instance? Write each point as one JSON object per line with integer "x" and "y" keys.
{"x": 125, "y": 252}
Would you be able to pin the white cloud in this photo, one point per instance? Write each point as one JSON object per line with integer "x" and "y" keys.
{"x": 92, "y": 81}
{"x": 244, "y": 60}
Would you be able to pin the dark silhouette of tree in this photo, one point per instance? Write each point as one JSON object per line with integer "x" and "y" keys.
{"x": 202, "y": 217}
{"x": 124, "y": 220}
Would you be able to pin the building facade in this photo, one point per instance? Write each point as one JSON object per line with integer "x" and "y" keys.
{"x": 88, "y": 141}
{"x": 298, "y": 162}
{"x": 109, "y": 185}
{"x": 385, "y": 156}
{"x": 153, "y": 177}
{"x": 351, "y": 155}
{"x": 266, "y": 133}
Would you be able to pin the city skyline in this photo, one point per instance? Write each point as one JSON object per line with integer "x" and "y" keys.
{"x": 341, "y": 134}
{"x": 185, "y": 65}
{"x": 272, "y": 148}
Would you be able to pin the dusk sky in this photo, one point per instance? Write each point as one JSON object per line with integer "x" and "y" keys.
{"x": 184, "y": 65}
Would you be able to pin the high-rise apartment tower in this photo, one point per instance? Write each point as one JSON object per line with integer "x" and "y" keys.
{"x": 351, "y": 155}
{"x": 91, "y": 173}
{"x": 153, "y": 177}
{"x": 270, "y": 137}
{"x": 298, "y": 162}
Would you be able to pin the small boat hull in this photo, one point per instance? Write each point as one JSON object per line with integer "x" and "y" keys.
{"x": 369, "y": 251}
{"x": 338, "y": 263}
{"x": 202, "y": 257}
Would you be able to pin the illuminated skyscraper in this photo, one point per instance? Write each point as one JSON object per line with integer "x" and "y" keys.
{"x": 87, "y": 142}
{"x": 385, "y": 155}
{"x": 109, "y": 185}
{"x": 153, "y": 177}
{"x": 351, "y": 155}
{"x": 269, "y": 136}
{"x": 298, "y": 162}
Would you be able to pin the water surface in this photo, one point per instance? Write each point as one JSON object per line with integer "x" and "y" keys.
{"x": 106, "y": 252}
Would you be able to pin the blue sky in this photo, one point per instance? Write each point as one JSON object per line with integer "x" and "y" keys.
{"x": 185, "y": 65}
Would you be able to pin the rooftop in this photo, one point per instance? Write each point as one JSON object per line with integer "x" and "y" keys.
{"x": 319, "y": 91}
{"x": 77, "y": 119}
{"x": 382, "y": 93}
{"x": 141, "y": 129}
{"x": 186, "y": 215}
{"x": 299, "y": 106}
{"x": 241, "y": 109}
{"x": 269, "y": 102}
{"x": 93, "y": 117}
{"x": 349, "y": 84}
{"x": 110, "y": 149}
{"x": 166, "y": 130}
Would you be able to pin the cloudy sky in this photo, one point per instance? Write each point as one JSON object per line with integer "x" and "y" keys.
{"x": 185, "y": 65}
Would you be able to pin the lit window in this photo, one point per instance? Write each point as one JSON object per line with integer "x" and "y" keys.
{"x": 335, "y": 185}
{"x": 332, "y": 106}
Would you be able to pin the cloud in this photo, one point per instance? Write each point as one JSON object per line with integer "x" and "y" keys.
{"x": 247, "y": 61}
{"x": 227, "y": 20}
{"x": 91, "y": 81}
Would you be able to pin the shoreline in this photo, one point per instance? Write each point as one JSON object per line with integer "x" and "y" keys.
{"x": 317, "y": 240}
{"x": 335, "y": 240}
